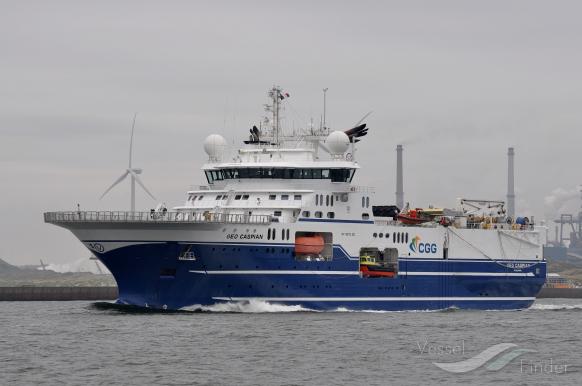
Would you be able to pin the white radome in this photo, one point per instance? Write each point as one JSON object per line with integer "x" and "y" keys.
{"x": 214, "y": 145}
{"x": 338, "y": 142}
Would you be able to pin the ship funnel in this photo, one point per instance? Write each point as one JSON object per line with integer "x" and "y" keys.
{"x": 399, "y": 178}
{"x": 510, "y": 183}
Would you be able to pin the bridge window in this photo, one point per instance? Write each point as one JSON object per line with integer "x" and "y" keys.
{"x": 272, "y": 196}
{"x": 245, "y": 197}
{"x": 330, "y": 214}
{"x": 297, "y": 197}
{"x": 200, "y": 198}
{"x": 336, "y": 175}
{"x": 219, "y": 197}
{"x": 238, "y": 197}
{"x": 318, "y": 214}
{"x": 307, "y": 173}
{"x": 277, "y": 213}
{"x": 284, "y": 197}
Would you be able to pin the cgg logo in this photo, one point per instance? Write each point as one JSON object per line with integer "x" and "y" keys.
{"x": 427, "y": 248}
{"x": 416, "y": 246}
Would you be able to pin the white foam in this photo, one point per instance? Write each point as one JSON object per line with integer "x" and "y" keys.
{"x": 553, "y": 307}
{"x": 251, "y": 306}
{"x": 343, "y": 309}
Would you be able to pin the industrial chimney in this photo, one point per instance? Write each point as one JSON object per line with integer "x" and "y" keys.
{"x": 399, "y": 181}
{"x": 510, "y": 182}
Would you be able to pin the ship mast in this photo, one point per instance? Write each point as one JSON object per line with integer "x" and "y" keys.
{"x": 276, "y": 96}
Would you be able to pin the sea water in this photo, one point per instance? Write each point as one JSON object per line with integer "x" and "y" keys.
{"x": 88, "y": 343}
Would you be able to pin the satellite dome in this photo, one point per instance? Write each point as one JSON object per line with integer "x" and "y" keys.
{"x": 338, "y": 142}
{"x": 214, "y": 146}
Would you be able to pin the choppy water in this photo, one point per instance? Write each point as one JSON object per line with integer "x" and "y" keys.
{"x": 83, "y": 343}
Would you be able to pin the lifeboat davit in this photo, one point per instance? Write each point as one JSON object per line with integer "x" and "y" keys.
{"x": 309, "y": 245}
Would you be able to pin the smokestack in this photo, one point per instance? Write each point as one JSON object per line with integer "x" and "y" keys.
{"x": 399, "y": 180}
{"x": 510, "y": 182}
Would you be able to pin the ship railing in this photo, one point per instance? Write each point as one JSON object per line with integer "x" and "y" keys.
{"x": 156, "y": 217}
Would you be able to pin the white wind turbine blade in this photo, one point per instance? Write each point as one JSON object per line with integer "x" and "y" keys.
{"x": 131, "y": 140}
{"x": 140, "y": 183}
{"x": 364, "y": 117}
{"x": 115, "y": 183}
{"x": 323, "y": 147}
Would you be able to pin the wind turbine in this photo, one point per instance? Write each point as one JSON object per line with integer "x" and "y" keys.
{"x": 132, "y": 172}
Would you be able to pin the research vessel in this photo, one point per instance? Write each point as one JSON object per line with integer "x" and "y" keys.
{"x": 281, "y": 221}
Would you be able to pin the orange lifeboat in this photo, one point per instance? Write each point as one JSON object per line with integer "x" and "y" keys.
{"x": 309, "y": 245}
{"x": 368, "y": 271}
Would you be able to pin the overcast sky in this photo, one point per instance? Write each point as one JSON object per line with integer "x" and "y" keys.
{"x": 456, "y": 81}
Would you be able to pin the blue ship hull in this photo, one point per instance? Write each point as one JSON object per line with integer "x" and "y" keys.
{"x": 150, "y": 275}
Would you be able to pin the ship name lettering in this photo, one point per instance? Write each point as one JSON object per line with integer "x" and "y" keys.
{"x": 244, "y": 236}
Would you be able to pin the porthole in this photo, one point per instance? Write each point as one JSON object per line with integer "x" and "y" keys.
{"x": 375, "y": 235}
{"x": 381, "y": 235}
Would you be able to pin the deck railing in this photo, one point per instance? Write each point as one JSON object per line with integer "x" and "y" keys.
{"x": 155, "y": 217}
